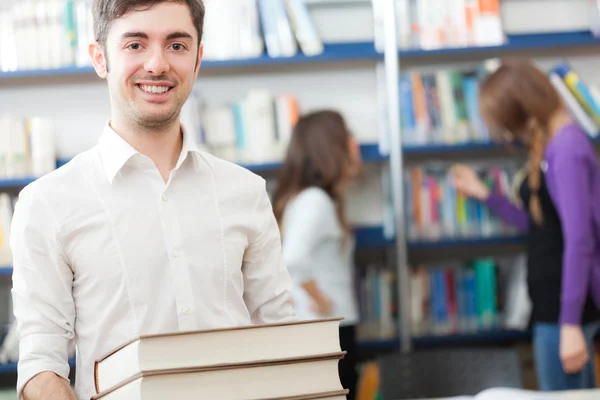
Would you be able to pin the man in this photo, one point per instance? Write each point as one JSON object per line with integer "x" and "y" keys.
{"x": 142, "y": 233}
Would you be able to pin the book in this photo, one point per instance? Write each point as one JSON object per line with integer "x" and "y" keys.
{"x": 198, "y": 350}
{"x": 285, "y": 378}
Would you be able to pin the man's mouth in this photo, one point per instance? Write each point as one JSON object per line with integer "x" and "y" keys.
{"x": 153, "y": 89}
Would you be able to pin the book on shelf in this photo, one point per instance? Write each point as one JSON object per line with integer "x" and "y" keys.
{"x": 256, "y": 361}
{"x": 254, "y": 129}
{"x": 378, "y": 303}
{"x": 431, "y": 24}
{"x": 27, "y": 146}
{"x": 467, "y": 297}
{"x": 441, "y": 107}
{"x": 579, "y": 99}
{"x": 435, "y": 210}
{"x": 55, "y": 34}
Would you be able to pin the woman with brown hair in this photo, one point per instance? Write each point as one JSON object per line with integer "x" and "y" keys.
{"x": 321, "y": 161}
{"x": 519, "y": 104}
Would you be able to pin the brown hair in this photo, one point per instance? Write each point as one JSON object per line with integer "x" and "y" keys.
{"x": 518, "y": 100}
{"x": 106, "y": 11}
{"x": 318, "y": 155}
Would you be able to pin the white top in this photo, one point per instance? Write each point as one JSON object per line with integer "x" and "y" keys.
{"x": 312, "y": 249}
{"x": 105, "y": 251}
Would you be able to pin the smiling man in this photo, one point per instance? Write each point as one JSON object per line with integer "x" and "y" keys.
{"x": 143, "y": 233}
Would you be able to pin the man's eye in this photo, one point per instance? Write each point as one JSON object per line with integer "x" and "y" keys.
{"x": 177, "y": 46}
{"x": 134, "y": 46}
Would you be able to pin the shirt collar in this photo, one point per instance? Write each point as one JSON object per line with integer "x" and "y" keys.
{"x": 115, "y": 151}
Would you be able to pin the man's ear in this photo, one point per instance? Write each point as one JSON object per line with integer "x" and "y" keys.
{"x": 199, "y": 59}
{"x": 99, "y": 60}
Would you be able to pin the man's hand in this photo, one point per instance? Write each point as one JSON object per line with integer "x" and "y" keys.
{"x": 573, "y": 349}
{"x": 48, "y": 386}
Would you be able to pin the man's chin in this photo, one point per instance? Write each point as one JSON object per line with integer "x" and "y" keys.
{"x": 152, "y": 120}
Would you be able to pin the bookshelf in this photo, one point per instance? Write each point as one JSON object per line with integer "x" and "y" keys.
{"x": 363, "y": 51}
{"x": 332, "y": 53}
{"x": 406, "y": 59}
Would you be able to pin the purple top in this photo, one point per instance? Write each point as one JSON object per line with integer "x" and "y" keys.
{"x": 573, "y": 181}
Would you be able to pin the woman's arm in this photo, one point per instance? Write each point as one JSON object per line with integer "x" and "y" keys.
{"x": 508, "y": 211}
{"x": 466, "y": 181}
{"x": 569, "y": 183}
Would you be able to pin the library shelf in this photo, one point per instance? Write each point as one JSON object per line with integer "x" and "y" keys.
{"x": 369, "y": 152}
{"x": 506, "y": 240}
{"x": 485, "y": 336}
{"x": 367, "y": 237}
{"x": 375, "y": 344}
{"x": 372, "y": 237}
{"x": 516, "y": 42}
{"x": 332, "y": 52}
{"x": 433, "y": 148}
{"x": 7, "y": 183}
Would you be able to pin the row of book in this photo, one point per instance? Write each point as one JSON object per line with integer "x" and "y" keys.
{"x": 467, "y": 297}
{"x": 49, "y": 34}
{"x": 27, "y": 146}
{"x": 253, "y": 129}
{"x": 432, "y": 24}
{"x": 582, "y": 100}
{"x": 441, "y": 107}
{"x": 376, "y": 289}
{"x": 436, "y": 210}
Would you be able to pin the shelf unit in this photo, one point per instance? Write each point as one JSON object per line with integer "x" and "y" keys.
{"x": 398, "y": 59}
{"x": 333, "y": 53}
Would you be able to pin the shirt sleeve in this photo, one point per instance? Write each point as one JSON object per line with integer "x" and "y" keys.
{"x": 570, "y": 180}
{"x": 267, "y": 283}
{"x": 42, "y": 297}
{"x": 508, "y": 211}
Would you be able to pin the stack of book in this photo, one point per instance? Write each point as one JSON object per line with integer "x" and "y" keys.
{"x": 292, "y": 360}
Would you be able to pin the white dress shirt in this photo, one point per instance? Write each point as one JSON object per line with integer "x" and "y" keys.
{"x": 105, "y": 251}
{"x": 314, "y": 248}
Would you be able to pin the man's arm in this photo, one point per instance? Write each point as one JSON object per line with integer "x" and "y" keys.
{"x": 267, "y": 283}
{"x": 48, "y": 385}
{"x": 42, "y": 301}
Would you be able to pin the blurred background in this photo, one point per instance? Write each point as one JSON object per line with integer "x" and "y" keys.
{"x": 434, "y": 271}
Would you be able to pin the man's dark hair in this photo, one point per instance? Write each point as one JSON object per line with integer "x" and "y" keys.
{"x": 106, "y": 11}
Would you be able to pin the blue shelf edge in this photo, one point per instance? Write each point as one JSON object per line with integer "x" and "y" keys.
{"x": 366, "y": 237}
{"x": 484, "y": 336}
{"x": 495, "y": 335}
{"x": 369, "y": 152}
{"x": 466, "y": 242}
{"x": 413, "y": 149}
{"x": 372, "y": 237}
{"x": 352, "y": 51}
{"x": 529, "y": 41}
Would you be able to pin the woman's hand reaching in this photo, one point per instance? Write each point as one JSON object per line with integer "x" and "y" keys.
{"x": 466, "y": 181}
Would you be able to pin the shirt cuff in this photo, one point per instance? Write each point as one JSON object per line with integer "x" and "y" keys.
{"x": 39, "y": 354}
{"x": 570, "y": 312}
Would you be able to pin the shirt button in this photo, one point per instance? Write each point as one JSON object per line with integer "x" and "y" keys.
{"x": 164, "y": 197}
{"x": 186, "y": 311}
{"x": 176, "y": 252}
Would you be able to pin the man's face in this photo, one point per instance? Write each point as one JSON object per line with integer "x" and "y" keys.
{"x": 153, "y": 60}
